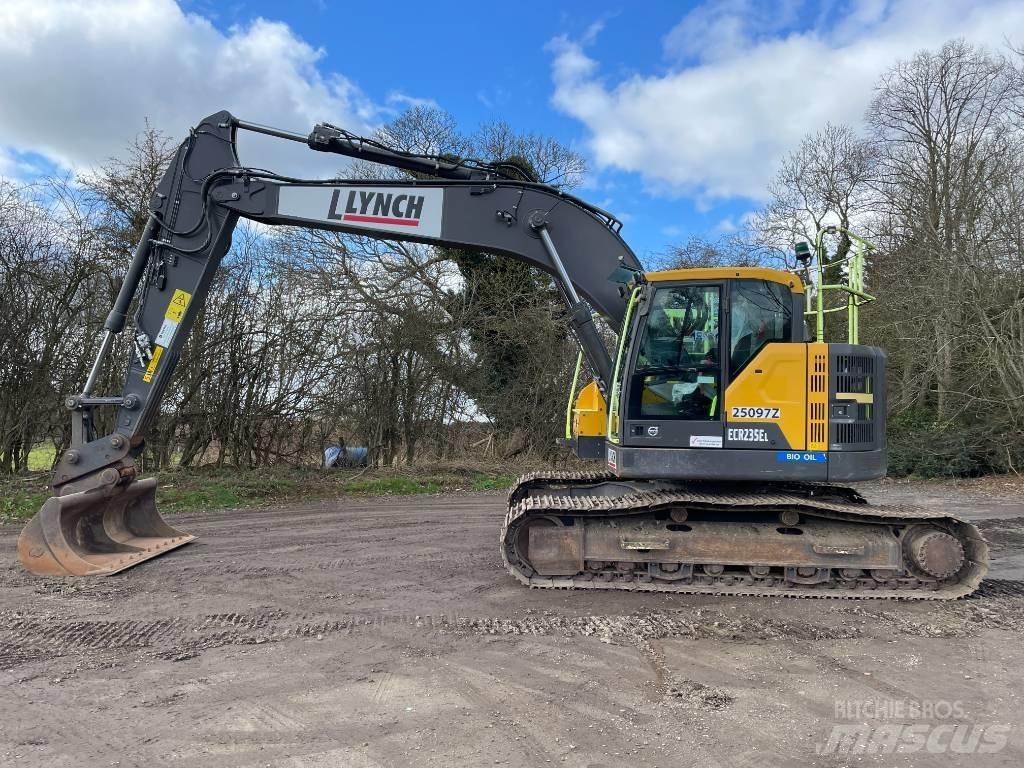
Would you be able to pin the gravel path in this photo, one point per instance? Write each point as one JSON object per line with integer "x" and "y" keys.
{"x": 384, "y": 632}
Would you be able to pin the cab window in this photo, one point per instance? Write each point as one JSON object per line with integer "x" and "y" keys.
{"x": 761, "y": 311}
{"x": 677, "y": 373}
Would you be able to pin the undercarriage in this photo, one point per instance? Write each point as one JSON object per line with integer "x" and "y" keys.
{"x": 594, "y": 531}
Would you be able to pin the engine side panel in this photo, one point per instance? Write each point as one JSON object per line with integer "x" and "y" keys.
{"x": 766, "y": 404}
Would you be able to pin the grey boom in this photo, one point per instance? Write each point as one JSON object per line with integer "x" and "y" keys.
{"x": 206, "y": 189}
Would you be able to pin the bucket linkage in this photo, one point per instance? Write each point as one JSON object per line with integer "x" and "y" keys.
{"x": 100, "y": 519}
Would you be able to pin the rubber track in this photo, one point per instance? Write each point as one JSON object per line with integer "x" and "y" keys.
{"x": 792, "y": 496}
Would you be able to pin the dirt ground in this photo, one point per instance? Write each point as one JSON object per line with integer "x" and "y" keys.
{"x": 384, "y": 632}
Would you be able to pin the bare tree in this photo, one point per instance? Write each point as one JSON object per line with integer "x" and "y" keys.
{"x": 827, "y": 180}
{"x": 550, "y": 160}
{"x": 942, "y": 122}
{"x": 50, "y": 275}
{"x": 936, "y": 184}
{"x": 737, "y": 250}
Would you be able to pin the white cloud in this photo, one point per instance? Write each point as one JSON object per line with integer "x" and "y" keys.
{"x": 79, "y": 78}
{"x": 399, "y": 101}
{"x": 726, "y": 226}
{"x": 8, "y": 164}
{"x": 731, "y": 224}
{"x": 18, "y": 168}
{"x": 720, "y": 29}
{"x": 715, "y": 125}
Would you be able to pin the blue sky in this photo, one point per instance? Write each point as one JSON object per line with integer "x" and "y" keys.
{"x": 483, "y": 61}
{"x": 683, "y": 109}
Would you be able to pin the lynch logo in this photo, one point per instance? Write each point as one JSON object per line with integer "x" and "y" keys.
{"x": 370, "y": 207}
{"x": 403, "y": 212}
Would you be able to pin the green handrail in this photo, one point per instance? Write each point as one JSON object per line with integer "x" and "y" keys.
{"x": 853, "y": 288}
{"x": 572, "y": 396}
{"x": 613, "y": 400}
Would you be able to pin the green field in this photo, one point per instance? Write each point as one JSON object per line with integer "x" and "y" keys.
{"x": 196, "y": 490}
{"x": 40, "y": 459}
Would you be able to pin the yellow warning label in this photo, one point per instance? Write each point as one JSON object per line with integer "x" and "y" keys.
{"x": 179, "y": 303}
{"x": 154, "y": 361}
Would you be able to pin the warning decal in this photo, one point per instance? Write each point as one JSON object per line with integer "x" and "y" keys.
{"x": 151, "y": 369}
{"x": 179, "y": 303}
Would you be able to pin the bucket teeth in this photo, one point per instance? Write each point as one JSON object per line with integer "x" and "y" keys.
{"x": 97, "y": 532}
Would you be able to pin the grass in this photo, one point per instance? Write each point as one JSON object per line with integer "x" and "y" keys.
{"x": 207, "y": 488}
{"x": 40, "y": 458}
{"x": 20, "y": 498}
{"x": 393, "y": 486}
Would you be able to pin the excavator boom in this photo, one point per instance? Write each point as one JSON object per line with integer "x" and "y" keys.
{"x": 100, "y": 519}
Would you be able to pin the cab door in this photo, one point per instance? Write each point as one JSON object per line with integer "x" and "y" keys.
{"x": 672, "y": 386}
{"x": 765, "y": 398}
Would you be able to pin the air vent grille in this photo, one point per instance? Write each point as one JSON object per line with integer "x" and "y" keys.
{"x": 847, "y": 434}
{"x": 817, "y": 398}
{"x": 854, "y": 373}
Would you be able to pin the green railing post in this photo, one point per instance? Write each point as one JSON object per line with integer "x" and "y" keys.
{"x": 572, "y": 396}
{"x": 853, "y": 288}
{"x": 819, "y": 293}
{"x": 613, "y": 398}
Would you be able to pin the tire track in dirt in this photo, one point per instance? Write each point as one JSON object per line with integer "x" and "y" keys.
{"x": 382, "y": 692}
{"x": 1003, "y": 532}
{"x": 999, "y": 588}
{"x": 672, "y": 689}
{"x": 26, "y": 636}
{"x": 638, "y": 627}
{"x": 248, "y": 571}
{"x": 263, "y": 717}
{"x": 531, "y": 743}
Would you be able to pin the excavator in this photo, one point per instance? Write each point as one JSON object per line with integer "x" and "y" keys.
{"x": 727, "y": 430}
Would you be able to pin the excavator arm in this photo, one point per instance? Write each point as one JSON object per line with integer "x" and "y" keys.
{"x": 101, "y": 519}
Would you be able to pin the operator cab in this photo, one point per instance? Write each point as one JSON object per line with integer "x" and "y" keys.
{"x": 715, "y": 378}
{"x": 692, "y": 333}
{"x": 689, "y": 348}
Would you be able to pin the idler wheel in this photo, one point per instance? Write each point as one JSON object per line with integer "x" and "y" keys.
{"x": 935, "y": 552}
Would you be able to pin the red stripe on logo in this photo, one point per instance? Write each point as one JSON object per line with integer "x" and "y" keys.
{"x": 381, "y": 220}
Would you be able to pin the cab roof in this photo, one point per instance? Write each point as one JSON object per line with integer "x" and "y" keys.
{"x": 787, "y": 279}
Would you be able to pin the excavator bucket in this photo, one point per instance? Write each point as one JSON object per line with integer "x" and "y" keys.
{"x": 97, "y": 532}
